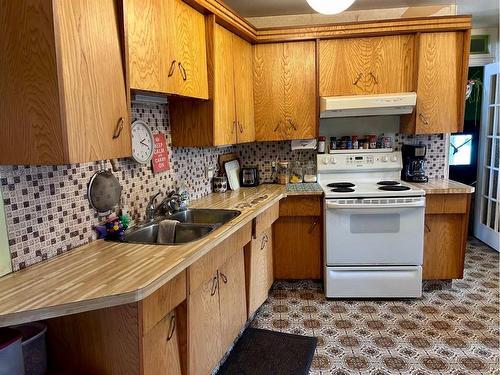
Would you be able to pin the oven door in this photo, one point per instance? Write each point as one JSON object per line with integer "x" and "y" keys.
{"x": 374, "y": 233}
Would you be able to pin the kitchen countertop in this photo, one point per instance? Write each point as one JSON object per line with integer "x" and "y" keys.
{"x": 441, "y": 186}
{"x": 104, "y": 274}
{"x": 306, "y": 188}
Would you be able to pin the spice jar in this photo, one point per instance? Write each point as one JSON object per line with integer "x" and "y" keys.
{"x": 321, "y": 145}
{"x": 372, "y": 139}
{"x": 310, "y": 172}
{"x": 333, "y": 144}
{"x": 282, "y": 172}
{"x": 355, "y": 143}
{"x": 296, "y": 172}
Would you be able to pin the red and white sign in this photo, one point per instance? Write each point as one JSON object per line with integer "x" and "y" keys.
{"x": 160, "y": 155}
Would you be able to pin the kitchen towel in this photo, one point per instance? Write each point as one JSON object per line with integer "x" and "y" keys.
{"x": 166, "y": 231}
{"x": 304, "y": 144}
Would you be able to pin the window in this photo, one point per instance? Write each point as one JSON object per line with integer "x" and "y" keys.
{"x": 460, "y": 149}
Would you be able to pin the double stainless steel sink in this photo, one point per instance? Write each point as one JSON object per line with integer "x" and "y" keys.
{"x": 193, "y": 225}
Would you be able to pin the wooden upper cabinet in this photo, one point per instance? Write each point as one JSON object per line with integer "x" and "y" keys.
{"x": 167, "y": 48}
{"x": 62, "y": 82}
{"x": 228, "y": 117}
{"x": 285, "y": 91}
{"x": 441, "y": 85}
{"x": 359, "y": 66}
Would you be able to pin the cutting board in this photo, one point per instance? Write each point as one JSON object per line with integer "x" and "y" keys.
{"x": 232, "y": 169}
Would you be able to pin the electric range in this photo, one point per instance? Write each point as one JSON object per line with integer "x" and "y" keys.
{"x": 373, "y": 226}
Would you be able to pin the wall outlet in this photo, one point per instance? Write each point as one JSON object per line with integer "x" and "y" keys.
{"x": 209, "y": 172}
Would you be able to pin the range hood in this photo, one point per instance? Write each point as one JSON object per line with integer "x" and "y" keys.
{"x": 367, "y": 105}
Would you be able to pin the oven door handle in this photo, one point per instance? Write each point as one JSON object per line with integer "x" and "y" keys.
{"x": 417, "y": 204}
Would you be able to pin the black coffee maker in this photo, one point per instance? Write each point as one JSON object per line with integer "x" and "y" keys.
{"x": 413, "y": 163}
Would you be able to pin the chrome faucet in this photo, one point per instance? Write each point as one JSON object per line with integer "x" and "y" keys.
{"x": 151, "y": 207}
{"x": 172, "y": 203}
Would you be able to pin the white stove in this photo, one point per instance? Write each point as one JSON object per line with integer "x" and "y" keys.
{"x": 374, "y": 226}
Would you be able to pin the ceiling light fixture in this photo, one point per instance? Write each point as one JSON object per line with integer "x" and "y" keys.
{"x": 330, "y": 6}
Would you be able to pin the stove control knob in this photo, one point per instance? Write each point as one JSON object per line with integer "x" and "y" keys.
{"x": 324, "y": 161}
{"x": 384, "y": 159}
{"x": 333, "y": 161}
{"x": 394, "y": 158}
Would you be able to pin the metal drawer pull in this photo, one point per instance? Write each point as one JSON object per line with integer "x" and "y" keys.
{"x": 265, "y": 240}
{"x": 119, "y": 128}
{"x": 374, "y": 78}
{"x": 313, "y": 225}
{"x": 241, "y": 127}
{"x": 360, "y": 75}
{"x": 171, "y": 71}
{"x": 423, "y": 118}
{"x": 427, "y": 227}
{"x": 214, "y": 286}
{"x": 183, "y": 72}
{"x": 171, "y": 328}
{"x": 234, "y": 126}
{"x": 223, "y": 277}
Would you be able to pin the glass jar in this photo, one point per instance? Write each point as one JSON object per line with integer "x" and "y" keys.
{"x": 282, "y": 173}
{"x": 296, "y": 173}
{"x": 310, "y": 172}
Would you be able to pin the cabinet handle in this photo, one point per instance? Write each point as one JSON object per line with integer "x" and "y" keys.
{"x": 313, "y": 225}
{"x": 183, "y": 72}
{"x": 223, "y": 277}
{"x": 171, "y": 71}
{"x": 214, "y": 286}
{"x": 423, "y": 119}
{"x": 374, "y": 78}
{"x": 360, "y": 75}
{"x": 119, "y": 128}
{"x": 234, "y": 127}
{"x": 292, "y": 125}
{"x": 241, "y": 127}
{"x": 171, "y": 328}
{"x": 263, "y": 244}
{"x": 277, "y": 126}
{"x": 428, "y": 229}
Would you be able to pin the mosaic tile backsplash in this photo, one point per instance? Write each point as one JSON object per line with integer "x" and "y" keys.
{"x": 48, "y": 213}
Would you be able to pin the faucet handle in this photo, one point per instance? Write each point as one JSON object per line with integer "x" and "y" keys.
{"x": 151, "y": 207}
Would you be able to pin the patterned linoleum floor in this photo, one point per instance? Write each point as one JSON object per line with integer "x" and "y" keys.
{"x": 453, "y": 329}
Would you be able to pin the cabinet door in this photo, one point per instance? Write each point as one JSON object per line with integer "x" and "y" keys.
{"x": 359, "y": 66}
{"x": 160, "y": 349}
{"x": 259, "y": 269}
{"x": 299, "y": 80}
{"x": 233, "y": 311}
{"x": 149, "y": 56}
{"x": 224, "y": 104}
{"x": 92, "y": 73}
{"x": 439, "y": 83}
{"x": 268, "y": 91}
{"x": 204, "y": 328}
{"x": 444, "y": 246}
{"x": 187, "y": 37}
{"x": 297, "y": 248}
{"x": 243, "y": 90}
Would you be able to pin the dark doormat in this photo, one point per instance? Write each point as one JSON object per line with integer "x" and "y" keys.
{"x": 263, "y": 352}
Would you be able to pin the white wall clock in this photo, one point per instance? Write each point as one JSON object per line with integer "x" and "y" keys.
{"x": 143, "y": 144}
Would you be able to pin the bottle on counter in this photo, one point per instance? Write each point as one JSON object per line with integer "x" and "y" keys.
{"x": 282, "y": 172}
{"x": 348, "y": 143}
{"x": 333, "y": 143}
{"x": 355, "y": 142}
{"x": 372, "y": 139}
{"x": 321, "y": 144}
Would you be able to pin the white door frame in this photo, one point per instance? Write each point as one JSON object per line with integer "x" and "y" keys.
{"x": 487, "y": 205}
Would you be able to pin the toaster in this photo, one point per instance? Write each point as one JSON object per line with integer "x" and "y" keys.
{"x": 249, "y": 176}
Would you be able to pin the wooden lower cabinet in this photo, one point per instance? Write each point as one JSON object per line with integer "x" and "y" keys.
{"x": 445, "y": 235}
{"x": 259, "y": 269}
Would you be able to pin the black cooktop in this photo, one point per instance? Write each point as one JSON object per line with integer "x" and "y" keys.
{"x": 341, "y": 185}
{"x": 388, "y": 183}
{"x": 394, "y": 188}
{"x": 343, "y": 190}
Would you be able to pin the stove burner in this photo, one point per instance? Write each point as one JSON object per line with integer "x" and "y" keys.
{"x": 341, "y": 185}
{"x": 343, "y": 190}
{"x": 388, "y": 183}
{"x": 394, "y": 188}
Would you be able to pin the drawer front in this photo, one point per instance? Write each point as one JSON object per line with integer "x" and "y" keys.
{"x": 301, "y": 206}
{"x": 446, "y": 203}
{"x": 266, "y": 219}
{"x": 381, "y": 282}
{"x": 200, "y": 271}
{"x": 164, "y": 300}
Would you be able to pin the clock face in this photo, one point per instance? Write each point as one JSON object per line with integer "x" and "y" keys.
{"x": 142, "y": 142}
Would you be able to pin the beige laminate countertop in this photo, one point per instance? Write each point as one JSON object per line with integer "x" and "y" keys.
{"x": 104, "y": 274}
{"x": 441, "y": 186}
